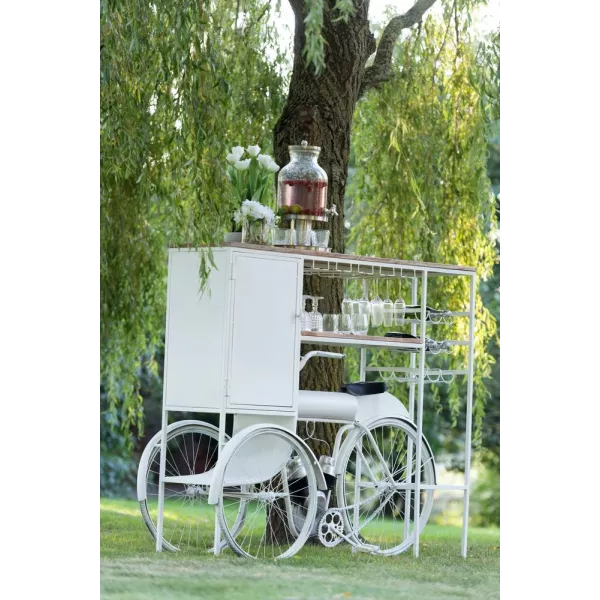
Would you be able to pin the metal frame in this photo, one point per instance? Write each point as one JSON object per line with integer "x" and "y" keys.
{"x": 417, "y": 375}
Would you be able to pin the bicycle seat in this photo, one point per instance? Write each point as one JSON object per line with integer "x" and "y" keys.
{"x": 364, "y": 388}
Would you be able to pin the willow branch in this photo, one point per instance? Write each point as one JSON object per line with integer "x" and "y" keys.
{"x": 381, "y": 69}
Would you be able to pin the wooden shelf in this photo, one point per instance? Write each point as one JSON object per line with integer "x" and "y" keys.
{"x": 361, "y": 341}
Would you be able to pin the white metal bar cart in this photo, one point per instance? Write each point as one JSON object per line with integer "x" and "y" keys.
{"x": 235, "y": 351}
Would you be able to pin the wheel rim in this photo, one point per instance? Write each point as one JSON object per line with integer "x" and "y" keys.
{"x": 272, "y": 528}
{"x": 384, "y": 516}
{"x": 188, "y": 521}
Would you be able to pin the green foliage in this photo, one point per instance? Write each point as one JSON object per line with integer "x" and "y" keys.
{"x": 314, "y": 46}
{"x": 181, "y": 83}
{"x": 486, "y": 495}
{"x": 421, "y": 189}
{"x": 117, "y": 467}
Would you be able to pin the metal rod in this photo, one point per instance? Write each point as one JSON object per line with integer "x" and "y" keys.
{"x": 357, "y": 476}
{"x": 222, "y": 422}
{"x": 363, "y": 351}
{"x": 420, "y": 416}
{"x": 411, "y": 408}
{"x": 469, "y": 418}
{"x": 161, "y": 479}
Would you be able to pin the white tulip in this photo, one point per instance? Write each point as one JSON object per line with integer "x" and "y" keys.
{"x": 238, "y": 151}
{"x": 272, "y": 166}
{"x": 242, "y": 165}
{"x": 253, "y": 150}
{"x": 232, "y": 158}
{"x": 264, "y": 160}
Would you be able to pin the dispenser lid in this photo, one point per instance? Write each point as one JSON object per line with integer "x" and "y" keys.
{"x": 304, "y": 147}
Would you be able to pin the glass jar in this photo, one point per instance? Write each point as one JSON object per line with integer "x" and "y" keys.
{"x": 302, "y": 183}
{"x": 255, "y": 231}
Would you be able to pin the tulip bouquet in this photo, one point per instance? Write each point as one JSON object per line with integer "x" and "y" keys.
{"x": 249, "y": 177}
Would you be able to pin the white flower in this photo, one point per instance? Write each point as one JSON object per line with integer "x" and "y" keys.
{"x": 238, "y": 151}
{"x": 232, "y": 158}
{"x": 253, "y": 150}
{"x": 237, "y": 217}
{"x": 272, "y": 166}
{"x": 255, "y": 210}
{"x": 264, "y": 160}
{"x": 242, "y": 165}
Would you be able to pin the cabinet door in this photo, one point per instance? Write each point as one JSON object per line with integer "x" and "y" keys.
{"x": 196, "y": 333}
{"x": 264, "y": 352}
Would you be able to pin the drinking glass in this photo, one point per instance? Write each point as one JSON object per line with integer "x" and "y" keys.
{"x": 399, "y": 307}
{"x": 388, "y": 308}
{"x": 315, "y": 315}
{"x": 331, "y": 323}
{"x": 360, "y": 324}
{"x": 376, "y": 307}
{"x": 306, "y": 319}
{"x": 345, "y": 323}
{"x": 320, "y": 238}
{"x": 283, "y": 237}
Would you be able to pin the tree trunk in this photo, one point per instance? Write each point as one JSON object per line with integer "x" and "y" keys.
{"x": 319, "y": 110}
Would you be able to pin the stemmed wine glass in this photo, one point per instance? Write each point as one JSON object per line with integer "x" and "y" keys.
{"x": 346, "y": 302}
{"x": 315, "y": 315}
{"x": 364, "y": 306}
{"x": 399, "y": 307}
{"x": 388, "y": 308}
{"x": 376, "y": 307}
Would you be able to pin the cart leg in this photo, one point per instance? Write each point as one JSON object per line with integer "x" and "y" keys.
{"x": 161, "y": 482}
{"x": 357, "y": 476}
{"x": 418, "y": 445}
{"x": 222, "y": 422}
{"x": 469, "y": 419}
{"x": 411, "y": 413}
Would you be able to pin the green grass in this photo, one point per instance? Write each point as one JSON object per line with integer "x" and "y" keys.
{"x": 131, "y": 570}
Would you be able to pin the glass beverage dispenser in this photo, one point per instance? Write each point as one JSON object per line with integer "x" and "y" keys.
{"x": 302, "y": 194}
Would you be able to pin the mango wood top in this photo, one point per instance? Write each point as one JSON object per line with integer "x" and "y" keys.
{"x": 372, "y": 339}
{"x": 332, "y": 257}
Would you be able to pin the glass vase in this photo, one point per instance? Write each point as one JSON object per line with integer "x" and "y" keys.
{"x": 255, "y": 232}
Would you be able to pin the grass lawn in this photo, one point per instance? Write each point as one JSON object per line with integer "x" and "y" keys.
{"x": 131, "y": 570}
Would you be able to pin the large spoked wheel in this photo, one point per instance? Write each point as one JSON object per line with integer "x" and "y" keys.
{"x": 375, "y": 508}
{"x": 279, "y": 510}
{"x": 189, "y": 521}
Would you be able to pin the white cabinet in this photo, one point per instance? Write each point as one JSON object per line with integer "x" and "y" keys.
{"x": 238, "y": 343}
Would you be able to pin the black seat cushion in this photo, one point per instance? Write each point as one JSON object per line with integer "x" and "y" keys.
{"x": 364, "y": 388}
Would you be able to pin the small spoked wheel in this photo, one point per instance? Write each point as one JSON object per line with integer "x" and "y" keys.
{"x": 272, "y": 473}
{"x": 189, "y": 521}
{"x": 376, "y": 503}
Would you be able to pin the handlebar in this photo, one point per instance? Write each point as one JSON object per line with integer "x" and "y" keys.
{"x": 304, "y": 359}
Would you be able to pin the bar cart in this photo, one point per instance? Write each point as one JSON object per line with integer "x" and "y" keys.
{"x": 235, "y": 351}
